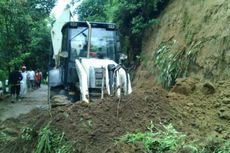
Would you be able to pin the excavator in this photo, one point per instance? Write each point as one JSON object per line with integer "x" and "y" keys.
{"x": 86, "y": 61}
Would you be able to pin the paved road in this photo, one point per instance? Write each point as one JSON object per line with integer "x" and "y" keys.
{"x": 34, "y": 99}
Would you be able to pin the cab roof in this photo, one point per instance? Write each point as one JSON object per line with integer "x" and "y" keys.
{"x": 105, "y": 25}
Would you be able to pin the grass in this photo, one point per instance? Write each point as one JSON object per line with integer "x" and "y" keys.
{"x": 5, "y": 137}
{"x": 173, "y": 64}
{"x": 50, "y": 141}
{"x": 156, "y": 140}
{"x": 168, "y": 139}
{"x": 26, "y": 134}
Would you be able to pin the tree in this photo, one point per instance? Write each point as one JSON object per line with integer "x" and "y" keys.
{"x": 92, "y": 10}
{"x": 131, "y": 16}
{"x": 24, "y": 32}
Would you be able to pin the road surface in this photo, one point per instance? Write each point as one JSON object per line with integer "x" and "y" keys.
{"x": 34, "y": 99}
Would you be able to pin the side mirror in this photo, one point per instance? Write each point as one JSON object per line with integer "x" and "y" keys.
{"x": 63, "y": 54}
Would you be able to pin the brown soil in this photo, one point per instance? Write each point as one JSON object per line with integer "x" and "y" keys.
{"x": 94, "y": 127}
{"x": 192, "y": 26}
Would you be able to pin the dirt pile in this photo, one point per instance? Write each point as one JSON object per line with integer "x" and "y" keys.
{"x": 11, "y": 129}
{"x": 205, "y": 110}
{"x": 94, "y": 127}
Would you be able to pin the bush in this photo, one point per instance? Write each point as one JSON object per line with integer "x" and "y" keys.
{"x": 173, "y": 64}
{"x": 51, "y": 141}
{"x": 168, "y": 139}
{"x": 156, "y": 140}
{"x": 3, "y": 75}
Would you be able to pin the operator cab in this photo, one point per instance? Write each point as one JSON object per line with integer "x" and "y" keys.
{"x": 83, "y": 40}
{"x": 104, "y": 43}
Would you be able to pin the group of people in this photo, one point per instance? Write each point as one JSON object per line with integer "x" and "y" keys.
{"x": 21, "y": 80}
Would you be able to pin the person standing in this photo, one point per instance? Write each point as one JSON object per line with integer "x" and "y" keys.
{"x": 31, "y": 77}
{"x": 23, "y": 90}
{"x": 38, "y": 78}
{"x": 14, "y": 81}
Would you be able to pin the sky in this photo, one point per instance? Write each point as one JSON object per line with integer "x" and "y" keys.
{"x": 60, "y": 5}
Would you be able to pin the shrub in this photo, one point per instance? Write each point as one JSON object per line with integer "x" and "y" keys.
{"x": 156, "y": 140}
{"x": 51, "y": 141}
{"x": 172, "y": 64}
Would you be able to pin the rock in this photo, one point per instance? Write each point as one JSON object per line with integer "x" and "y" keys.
{"x": 225, "y": 94}
{"x": 59, "y": 100}
{"x": 208, "y": 88}
{"x": 219, "y": 128}
{"x": 226, "y": 101}
{"x": 216, "y": 105}
{"x": 184, "y": 86}
{"x": 222, "y": 109}
{"x": 221, "y": 82}
{"x": 224, "y": 113}
{"x": 190, "y": 104}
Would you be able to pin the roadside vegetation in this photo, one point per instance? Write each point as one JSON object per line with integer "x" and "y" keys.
{"x": 171, "y": 64}
{"x": 167, "y": 139}
{"x": 157, "y": 138}
{"x": 25, "y": 34}
{"x": 132, "y": 18}
{"x": 46, "y": 140}
{"x": 51, "y": 141}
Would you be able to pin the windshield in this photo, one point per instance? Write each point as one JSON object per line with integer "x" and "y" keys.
{"x": 103, "y": 43}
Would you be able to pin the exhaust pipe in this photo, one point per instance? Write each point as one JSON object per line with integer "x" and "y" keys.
{"x": 89, "y": 38}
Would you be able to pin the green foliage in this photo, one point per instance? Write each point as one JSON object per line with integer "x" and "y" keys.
{"x": 21, "y": 23}
{"x": 3, "y": 75}
{"x": 173, "y": 64}
{"x": 168, "y": 139}
{"x": 215, "y": 145}
{"x": 132, "y": 17}
{"x": 51, "y": 141}
{"x": 186, "y": 20}
{"x": 19, "y": 60}
{"x": 4, "y": 137}
{"x": 26, "y": 134}
{"x": 92, "y": 10}
{"x": 189, "y": 37}
{"x": 137, "y": 15}
{"x": 156, "y": 140}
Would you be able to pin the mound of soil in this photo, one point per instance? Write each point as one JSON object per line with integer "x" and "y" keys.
{"x": 206, "y": 109}
{"x": 94, "y": 127}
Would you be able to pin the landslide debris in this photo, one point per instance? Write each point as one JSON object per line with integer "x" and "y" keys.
{"x": 94, "y": 127}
